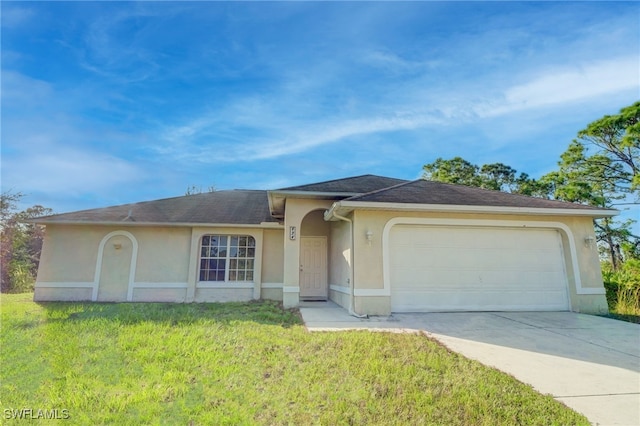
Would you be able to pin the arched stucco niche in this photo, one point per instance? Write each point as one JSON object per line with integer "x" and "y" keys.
{"x": 116, "y": 267}
{"x": 314, "y": 225}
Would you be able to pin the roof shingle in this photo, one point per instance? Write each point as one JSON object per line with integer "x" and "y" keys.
{"x": 228, "y": 207}
{"x": 352, "y": 185}
{"x": 431, "y": 192}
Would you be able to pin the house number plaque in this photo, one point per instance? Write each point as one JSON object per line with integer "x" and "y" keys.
{"x": 292, "y": 232}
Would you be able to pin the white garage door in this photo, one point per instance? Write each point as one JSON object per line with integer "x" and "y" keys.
{"x": 476, "y": 269}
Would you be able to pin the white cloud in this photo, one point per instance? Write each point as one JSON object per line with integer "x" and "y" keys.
{"x": 66, "y": 170}
{"x": 48, "y": 148}
{"x": 330, "y": 133}
{"x": 24, "y": 91}
{"x": 568, "y": 85}
{"x": 14, "y": 16}
{"x": 291, "y": 136}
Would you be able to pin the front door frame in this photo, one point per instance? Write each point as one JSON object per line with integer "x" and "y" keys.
{"x": 323, "y": 292}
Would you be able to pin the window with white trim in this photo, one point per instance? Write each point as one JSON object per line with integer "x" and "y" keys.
{"x": 227, "y": 258}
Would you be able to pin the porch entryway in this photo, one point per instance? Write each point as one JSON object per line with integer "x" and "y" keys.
{"x": 313, "y": 268}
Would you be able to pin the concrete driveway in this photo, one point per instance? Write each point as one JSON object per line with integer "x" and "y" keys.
{"x": 590, "y": 363}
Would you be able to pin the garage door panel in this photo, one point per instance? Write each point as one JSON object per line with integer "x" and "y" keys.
{"x": 462, "y": 268}
{"x": 497, "y": 300}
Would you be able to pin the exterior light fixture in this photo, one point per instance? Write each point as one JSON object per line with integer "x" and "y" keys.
{"x": 589, "y": 240}
{"x": 369, "y": 236}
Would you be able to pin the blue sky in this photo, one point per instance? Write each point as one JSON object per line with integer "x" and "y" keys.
{"x": 106, "y": 103}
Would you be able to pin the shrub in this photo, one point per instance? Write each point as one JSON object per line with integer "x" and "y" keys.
{"x": 623, "y": 287}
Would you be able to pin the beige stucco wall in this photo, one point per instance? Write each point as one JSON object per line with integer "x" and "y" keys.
{"x": 272, "y": 264}
{"x": 273, "y": 256}
{"x": 340, "y": 263}
{"x": 69, "y": 253}
{"x": 159, "y": 295}
{"x": 164, "y": 263}
{"x": 223, "y": 295}
{"x": 163, "y": 254}
{"x": 70, "y": 294}
{"x": 368, "y": 263}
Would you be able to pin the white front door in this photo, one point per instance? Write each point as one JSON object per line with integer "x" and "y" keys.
{"x": 313, "y": 268}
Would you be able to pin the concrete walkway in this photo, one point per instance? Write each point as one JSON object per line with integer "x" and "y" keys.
{"x": 590, "y": 363}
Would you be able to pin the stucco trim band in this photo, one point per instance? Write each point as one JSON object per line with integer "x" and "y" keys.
{"x": 340, "y": 289}
{"x": 60, "y": 284}
{"x": 225, "y": 285}
{"x": 159, "y": 285}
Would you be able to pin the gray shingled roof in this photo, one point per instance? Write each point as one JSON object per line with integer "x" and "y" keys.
{"x": 228, "y": 207}
{"x": 352, "y": 185}
{"x": 430, "y": 192}
{"x": 247, "y": 207}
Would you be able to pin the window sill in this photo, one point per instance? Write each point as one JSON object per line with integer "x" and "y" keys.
{"x": 226, "y": 284}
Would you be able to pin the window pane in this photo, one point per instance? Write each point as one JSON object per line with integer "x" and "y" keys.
{"x": 217, "y": 250}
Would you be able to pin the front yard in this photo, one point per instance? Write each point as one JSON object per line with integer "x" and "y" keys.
{"x": 247, "y": 363}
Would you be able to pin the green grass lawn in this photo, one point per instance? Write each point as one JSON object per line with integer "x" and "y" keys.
{"x": 250, "y": 363}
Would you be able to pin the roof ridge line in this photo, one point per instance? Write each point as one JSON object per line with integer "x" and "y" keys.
{"x": 458, "y": 185}
{"x": 377, "y": 191}
{"x": 335, "y": 180}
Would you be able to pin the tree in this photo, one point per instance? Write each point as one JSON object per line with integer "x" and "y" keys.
{"x": 457, "y": 170}
{"x": 601, "y": 168}
{"x": 496, "y": 176}
{"x": 194, "y": 190}
{"x": 20, "y": 243}
{"x": 613, "y": 143}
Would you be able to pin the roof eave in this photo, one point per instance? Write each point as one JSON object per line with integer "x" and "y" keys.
{"x": 315, "y": 194}
{"x": 277, "y": 198}
{"x": 265, "y": 225}
{"x": 345, "y": 207}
